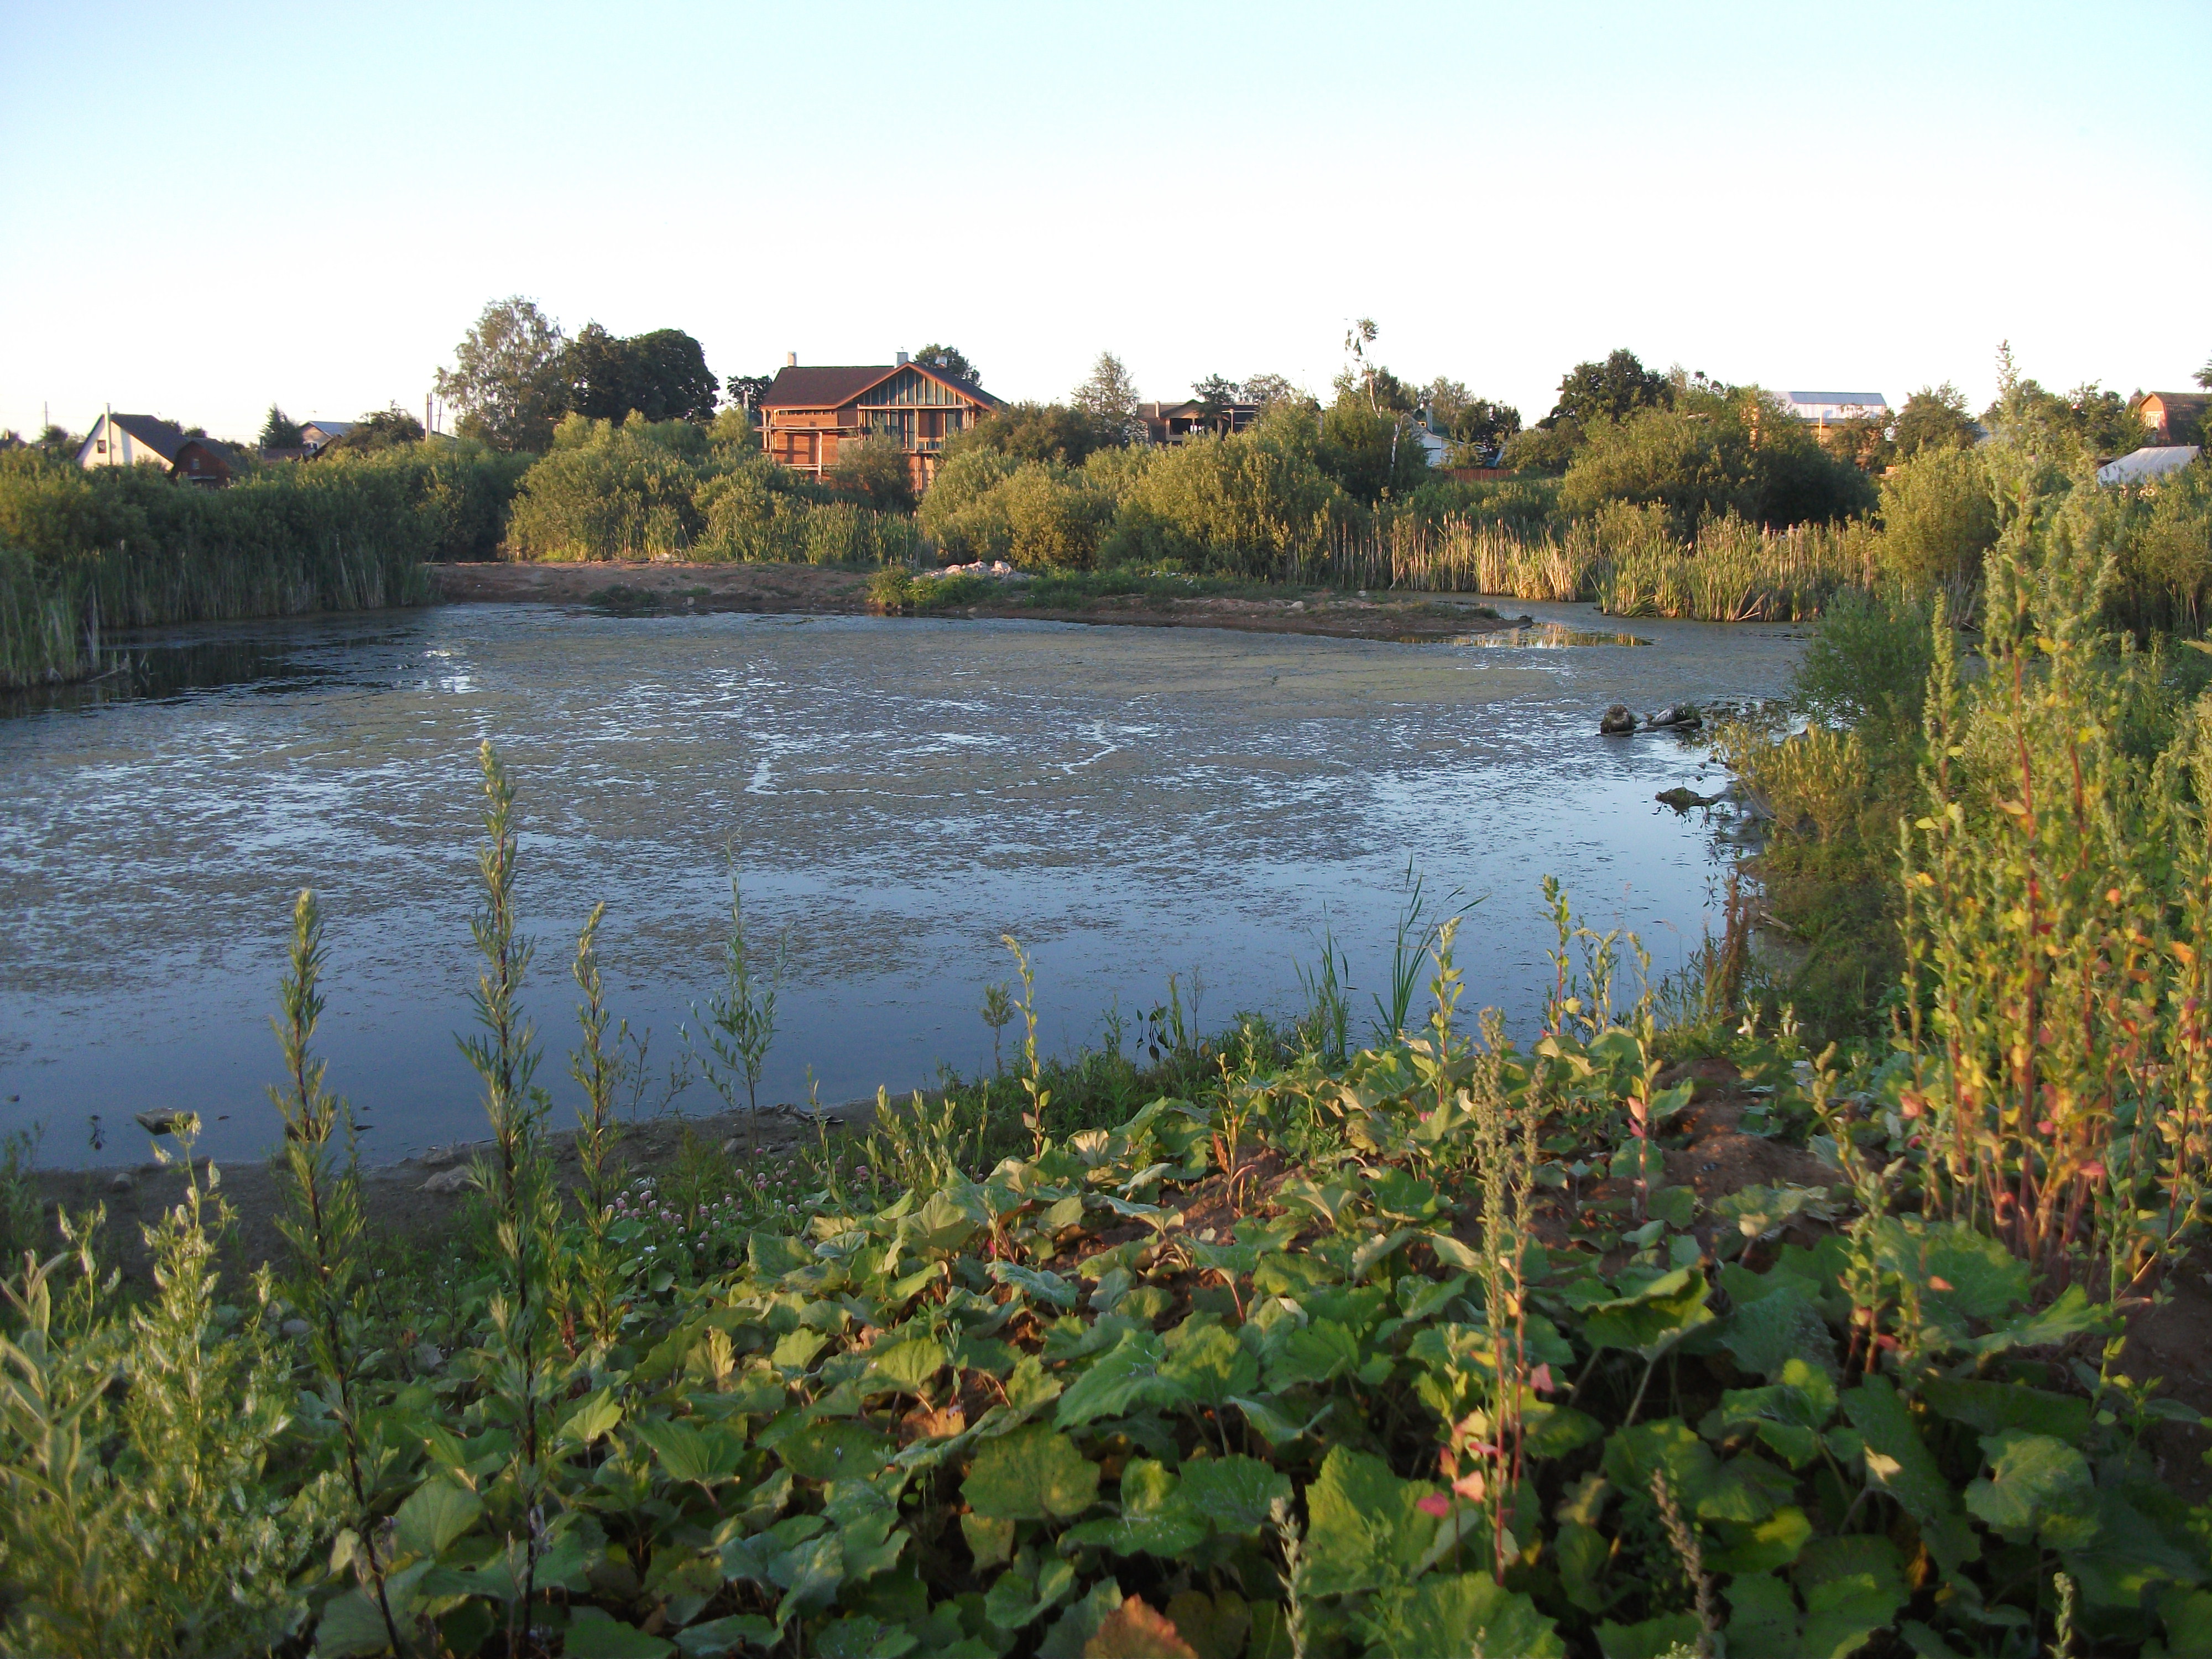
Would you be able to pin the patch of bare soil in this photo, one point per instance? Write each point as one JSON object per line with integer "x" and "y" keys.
{"x": 1720, "y": 1159}
{"x": 792, "y": 588}
{"x": 418, "y": 1200}
{"x": 2171, "y": 1338}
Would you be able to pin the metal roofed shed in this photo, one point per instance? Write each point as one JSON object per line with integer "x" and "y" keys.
{"x": 1820, "y": 407}
{"x": 2151, "y": 461}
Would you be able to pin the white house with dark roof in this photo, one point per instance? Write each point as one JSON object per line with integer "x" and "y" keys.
{"x": 315, "y": 435}
{"x": 149, "y": 440}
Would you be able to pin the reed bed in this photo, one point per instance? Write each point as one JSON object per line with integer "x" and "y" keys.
{"x": 1628, "y": 566}
{"x": 82, "y": 553}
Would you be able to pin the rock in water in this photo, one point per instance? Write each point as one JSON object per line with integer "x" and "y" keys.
{"x": 166, "y": 1122}
{"x": 1676, "y": 717}
{"x": 1616, "y": 721}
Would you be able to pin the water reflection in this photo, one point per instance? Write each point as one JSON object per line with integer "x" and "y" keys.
{"x": 159, "y": 668}
{"x": 1130, "y": 802}
{"x": 1548, "y": 636}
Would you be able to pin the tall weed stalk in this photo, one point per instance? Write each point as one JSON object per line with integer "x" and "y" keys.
{"x": 322, "y": 1221}
{"x": 516, "y": 1182}
{"x": 740, "y": 1018}
{"x": 598, "y": 1064}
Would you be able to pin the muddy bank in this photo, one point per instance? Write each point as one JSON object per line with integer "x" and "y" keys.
{"x": 660, "y": 589}
{"x": 418, "y": 1201}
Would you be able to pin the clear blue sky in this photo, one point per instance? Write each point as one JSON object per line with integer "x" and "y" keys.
{"x": 207, "y": 208}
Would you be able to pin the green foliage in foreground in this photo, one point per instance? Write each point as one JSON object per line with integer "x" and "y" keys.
{"x": 1414, "y": 1353}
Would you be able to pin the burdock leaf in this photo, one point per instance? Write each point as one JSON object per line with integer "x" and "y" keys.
{"x": 1898, "y": 1462}
{"x": 1118, "y": 1381}
{"x": 1852, "y": 1587}
{"x": 2037, "y": 1487}
{"x": 904, "y": 1367}
{"x": 1234, "y": 1492}
{"x": 1465, "y": 1612}
{"x": 437, "y": 1513}
{"x": 1032, "y": 1475}
{"x": 1652, "y": 1319}
{"x": 603, "y": 1638}
{"x": 1134, "y": 1631}
{"x": 1365, "y": 1524}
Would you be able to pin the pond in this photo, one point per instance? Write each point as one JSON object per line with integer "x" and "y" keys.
{"x": 1131, "y": 803}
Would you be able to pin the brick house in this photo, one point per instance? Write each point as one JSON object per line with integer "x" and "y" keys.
{"x": 807, "y": 413}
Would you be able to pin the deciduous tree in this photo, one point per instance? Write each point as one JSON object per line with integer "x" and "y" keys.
{"x": 378, "y": 429}
{"x": 662, "y": 376}
{"x": 1484, "y": 424}
{"x": 1038, "y": 431}
{"x": 507, "y": 380}
{"x": 950, "y": 360}
{"x": 1934, "y": 417}
{"x": 746, "y": 391}
{"x": 1216, "y": 399}
{"x": 1267, "y": 389}
{"x": 1613, "y": 389}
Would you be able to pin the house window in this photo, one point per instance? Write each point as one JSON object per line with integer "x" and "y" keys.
{"x": 101, "y": 447}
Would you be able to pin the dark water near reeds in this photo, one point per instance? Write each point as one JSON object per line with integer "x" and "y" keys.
{"x": 1130, "y": 802}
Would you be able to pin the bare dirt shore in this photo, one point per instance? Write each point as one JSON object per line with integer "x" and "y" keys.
{"x": 663, "y": 589}
{"x": 419, "y": 1200}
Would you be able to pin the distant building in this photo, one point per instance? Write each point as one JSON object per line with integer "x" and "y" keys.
{"x": 1823, "y": 409}
{"x": 148, "y": 441}
{"x": 317, "y": 436}
{"x": 1176, "y": 423}
{"x": 2173, "y": 418}
{"x": 2151, "y": 461}
{"x": 807, "y": 414}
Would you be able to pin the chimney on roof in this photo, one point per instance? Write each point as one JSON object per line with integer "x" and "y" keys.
{"x": 902, "y": 359}
{"x": 791, "y": 359}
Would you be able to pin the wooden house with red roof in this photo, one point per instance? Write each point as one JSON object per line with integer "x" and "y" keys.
{"x": 2173, "y": 418}
{"x": 807, "y": 413}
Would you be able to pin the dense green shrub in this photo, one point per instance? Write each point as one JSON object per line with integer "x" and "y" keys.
{"x": 612, "y": 491}
{"x": 1937, "y": 517}
{"x": 1036, "y": 431}
{"x": 875, "y": 472}
{"x": 2161, "y": 535}
{"x": 1712, "y": 452}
